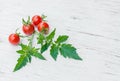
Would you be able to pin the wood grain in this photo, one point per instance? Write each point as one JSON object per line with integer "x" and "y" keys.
{"x": 93, "y": 27}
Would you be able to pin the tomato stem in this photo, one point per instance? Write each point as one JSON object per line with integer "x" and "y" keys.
{"x": 31, "y": 40}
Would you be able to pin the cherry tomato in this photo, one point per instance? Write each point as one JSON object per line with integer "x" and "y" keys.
{"x": 14, "y": 39}
{"x": 43, "y": 27}
{"x": 28, "y": 29}
{"x": 36, "y": 19}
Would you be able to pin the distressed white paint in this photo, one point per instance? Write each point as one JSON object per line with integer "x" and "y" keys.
{"x": 93, "y": 27}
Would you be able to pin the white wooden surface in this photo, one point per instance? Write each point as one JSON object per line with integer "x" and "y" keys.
{"x": 93, "y": 27}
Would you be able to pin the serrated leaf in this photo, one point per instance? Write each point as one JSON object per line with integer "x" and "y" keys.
{"x": 40, "y": 38}
{"x": 51, "y": 35}
{"x": 38, "y": 55}
{"x": 67, "y": 50}
{"x": 62, "y": 38}
{"x": 23, "y": 46}
{"x": 22, "y": 61}
{"x": 54, "y": 51}
{"x": 20, "y": 52}
{"x": 34, "y": 52}
{"x": 45, "y": 47}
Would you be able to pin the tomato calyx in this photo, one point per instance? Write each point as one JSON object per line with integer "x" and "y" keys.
{"x": 26, "y": 23}
{"x": 45, "y": 30}
{"x": 43, "y": 17}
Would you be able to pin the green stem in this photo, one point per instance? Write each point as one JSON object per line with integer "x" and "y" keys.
{"x": 23, "y": 36}
{"x": 31, "y": 40}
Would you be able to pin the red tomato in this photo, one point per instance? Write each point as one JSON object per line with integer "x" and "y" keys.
{"x": 14, "y": 39}
{"x": 36, "y": 19}
{"x": 28, "y": 29}
{"x": 43, "y": 27}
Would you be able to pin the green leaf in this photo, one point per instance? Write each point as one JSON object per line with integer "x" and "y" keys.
{"x": 29, "y": 58}
{"x": 62, "y": 38}
{"x": 67, "y": 50}
{"x": 45, "y": 47}
{"x": 38, "y": 55}
{"x": 40, "y": 39}
{"x": 54, "y": 51}
{"x": 22, "y": 61}
{"x": 23, "y": 46}
{"x": 34, "y": 52}
{"x": 20, "y": 52}
{"x": 51, "y": 35}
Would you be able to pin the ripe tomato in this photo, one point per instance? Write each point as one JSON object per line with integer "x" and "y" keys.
{"x": 14, "y": 39}
{"x": 43, "y": 27}
{"x": 36, "y": 19}
{"x": 28, "y": 29}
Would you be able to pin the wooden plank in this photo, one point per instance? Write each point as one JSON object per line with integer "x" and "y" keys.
{"x": 93, "y": 27}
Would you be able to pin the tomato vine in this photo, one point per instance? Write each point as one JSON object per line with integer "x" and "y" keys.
{"x": 44, "y": 41}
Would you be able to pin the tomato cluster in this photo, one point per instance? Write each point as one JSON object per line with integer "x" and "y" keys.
{"x": 29, "y": 28}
